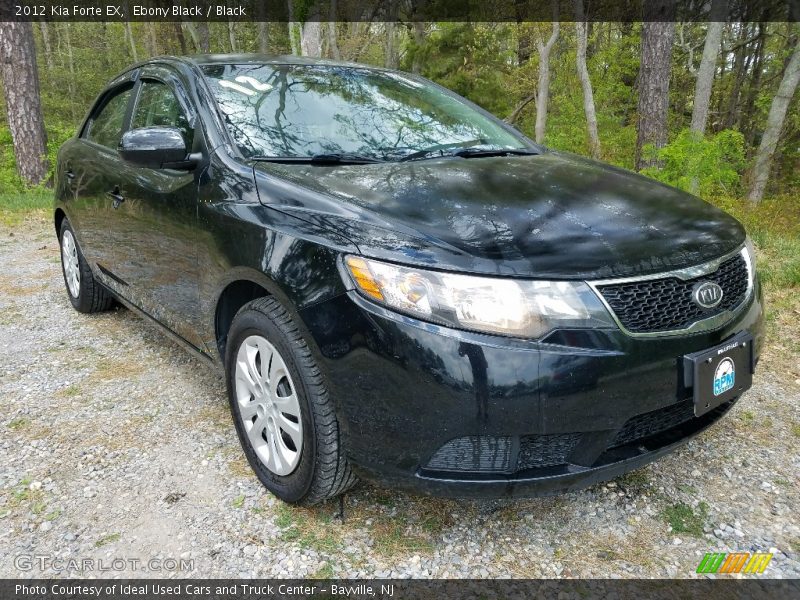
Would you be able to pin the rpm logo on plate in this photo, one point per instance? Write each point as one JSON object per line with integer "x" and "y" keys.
{"x": 724, "y": 376}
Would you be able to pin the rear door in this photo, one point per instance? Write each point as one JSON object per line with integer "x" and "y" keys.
{"x": 92, "y": 171}
{"x": 157, "y": 216}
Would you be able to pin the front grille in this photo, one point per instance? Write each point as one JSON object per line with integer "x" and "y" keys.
{"x": 648, "y": 424}
{"x": 484, "y": 455}
{"x": 537, "y": 451}
{"x": 474, "y": 453}
{"x": 666, "y": 304}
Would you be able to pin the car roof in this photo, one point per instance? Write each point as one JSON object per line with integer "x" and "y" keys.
{"x": 266, "y": 59}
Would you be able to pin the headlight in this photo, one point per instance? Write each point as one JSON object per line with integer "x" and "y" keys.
{"x": 750, "y": 259}
{"x": 751, "y": 251}
{"x": 520, "y": 308}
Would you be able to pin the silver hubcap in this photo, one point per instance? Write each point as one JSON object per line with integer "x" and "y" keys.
{"x": 269, "y": 406}
{"x": 69, "y": 258}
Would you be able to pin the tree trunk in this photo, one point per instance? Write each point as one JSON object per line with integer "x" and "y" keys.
{"x": 232, "y": 37}
{"x": 754, "y": 86}
{"x": 654, "y": 71}
{"x": 263, "y": 29}
{"x": 263, "y": 37}
{"x": 71, "y": 67}
{"x": 389, "y": 52}
{"x": 586, "y": 84}
{"x": 131, "y": 41}
{"x": 152, "y": 39}
{"x": 419, "y": 40}
{"x": 23, "y": 104}
{"x": 708, "y": 66}
{"x": 310, "y": 39}
{"x": 512, "y": 118}
{"x": 205, "y": 37}
{"x": 191, "y": 29}
{"x": 775, "y": 120}
{"x": 180, "y": 36}
{"x": 333, "y": 46}
{"x": 523, "y": 46}
{"x": 543, "y": 93}
{"x": 523, "y": 33}
{"x": 739, "y": 68}
{"x": 48, "y": 53}
{"x": 291, "y": 26}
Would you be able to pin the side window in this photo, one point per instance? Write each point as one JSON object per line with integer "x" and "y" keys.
{"x": 158, "y": 106}
{"x": 106, "y": 126}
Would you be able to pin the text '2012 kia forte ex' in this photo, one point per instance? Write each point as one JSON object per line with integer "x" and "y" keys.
{"x": 400, "y": 286}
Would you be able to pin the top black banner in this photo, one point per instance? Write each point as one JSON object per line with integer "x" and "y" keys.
{"x": 400, "y": 10}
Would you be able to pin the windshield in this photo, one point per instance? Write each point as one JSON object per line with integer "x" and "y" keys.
{"x": 305, "y": 111}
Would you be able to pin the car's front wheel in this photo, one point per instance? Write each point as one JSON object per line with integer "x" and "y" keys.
{"x": 281, "y": 408}
{"x": 86, "y": 295}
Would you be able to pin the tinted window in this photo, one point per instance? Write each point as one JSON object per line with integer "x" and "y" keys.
{"x": 106, "y": 127}
{"x": 157, "y": 106}
{"x": 300, "y": 110}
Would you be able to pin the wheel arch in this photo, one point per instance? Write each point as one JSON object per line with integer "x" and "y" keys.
{"x": 58, "y": 219}
{"x": 243, "y": 285}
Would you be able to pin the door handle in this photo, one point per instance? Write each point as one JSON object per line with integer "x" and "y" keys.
{"x": 116, "y": 197}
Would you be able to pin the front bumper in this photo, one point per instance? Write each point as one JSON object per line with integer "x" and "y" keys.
{"x": 454, "y": 413}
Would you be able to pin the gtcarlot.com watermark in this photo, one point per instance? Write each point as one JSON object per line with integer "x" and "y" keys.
{"x": 48, "y": 562}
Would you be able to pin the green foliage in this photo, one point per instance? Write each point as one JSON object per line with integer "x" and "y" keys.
{"x": 683, "y": 519}
{"x": 484, "y": 62}
{"x": 705, "y": 165}
{"x": 10, "y": 182}
{"x": 774, "y": 225}
{"x": 472, "y": 59}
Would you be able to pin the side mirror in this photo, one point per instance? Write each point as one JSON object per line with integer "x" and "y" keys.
{"x": 156, "y": 148}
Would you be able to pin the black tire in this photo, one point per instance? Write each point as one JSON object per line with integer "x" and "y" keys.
{"x": 322, "y": 471}
{"x": 92, "y": 297}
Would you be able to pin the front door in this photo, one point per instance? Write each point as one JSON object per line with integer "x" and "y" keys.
{"x": 157, "y": 218}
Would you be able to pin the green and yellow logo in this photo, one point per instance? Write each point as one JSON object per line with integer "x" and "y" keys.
{"x": 734, "y": 562}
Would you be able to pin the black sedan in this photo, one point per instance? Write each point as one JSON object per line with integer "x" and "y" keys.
{"x": 400, "y": 286}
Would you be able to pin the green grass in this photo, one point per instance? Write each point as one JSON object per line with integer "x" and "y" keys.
{"x": 18, "y": 423}
{"x": 635, "y": 481}
{"x": 683, "y": 519}
{"x": 796, "y": 430}
{"x": 107, "y": 539}
{"x": 746, "y": 417}
{"x": 238, "y": 502}
{"x": 15, "y": 206}
{"x": 324, "y": 572}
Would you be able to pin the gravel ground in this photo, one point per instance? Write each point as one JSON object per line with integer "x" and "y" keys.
{"x": 116, "y": 444}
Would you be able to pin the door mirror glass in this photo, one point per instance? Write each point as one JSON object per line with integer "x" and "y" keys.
{"x": 154, "y": 147}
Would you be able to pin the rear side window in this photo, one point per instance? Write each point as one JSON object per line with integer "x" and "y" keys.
{"x": 158, "y": 106}
{"x": 106, "y": 127}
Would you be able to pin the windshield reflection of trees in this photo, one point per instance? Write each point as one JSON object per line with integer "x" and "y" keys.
{"x": 325, "y": 110}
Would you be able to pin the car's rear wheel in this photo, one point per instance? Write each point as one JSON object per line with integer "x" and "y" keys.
{"x": 84, "y": 292}
{"x": 281, "y": 408}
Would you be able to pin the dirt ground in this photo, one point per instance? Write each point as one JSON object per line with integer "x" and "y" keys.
{"x": 116, "y": 444}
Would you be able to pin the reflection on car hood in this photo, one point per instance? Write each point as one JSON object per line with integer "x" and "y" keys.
{"x": 549, "y": 215}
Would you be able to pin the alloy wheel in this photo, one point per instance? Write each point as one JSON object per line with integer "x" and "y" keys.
{"x": 268, "y": 405}
{"x": 69, "y": 258}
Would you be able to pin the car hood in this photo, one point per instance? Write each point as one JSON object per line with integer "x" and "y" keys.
{"x": 548, "y": 215}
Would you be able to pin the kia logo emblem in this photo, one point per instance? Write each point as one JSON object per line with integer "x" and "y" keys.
{"x": 707, "y": 294}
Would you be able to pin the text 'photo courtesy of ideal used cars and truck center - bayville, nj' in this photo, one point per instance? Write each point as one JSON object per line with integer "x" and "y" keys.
{"x": 400, "y": 299}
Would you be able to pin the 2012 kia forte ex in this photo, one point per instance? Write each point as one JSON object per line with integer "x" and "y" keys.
{"x": 398, "y": 285}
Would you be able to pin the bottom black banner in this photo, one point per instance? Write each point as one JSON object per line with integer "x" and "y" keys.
{"x": 522, "y": 589}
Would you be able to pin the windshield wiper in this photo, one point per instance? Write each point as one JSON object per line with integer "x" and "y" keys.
{"x": 322, "y": 159}
{"x": 477, "y": 152}
{"x": 466, "y": 150}
{"x": 440, "y": 150}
